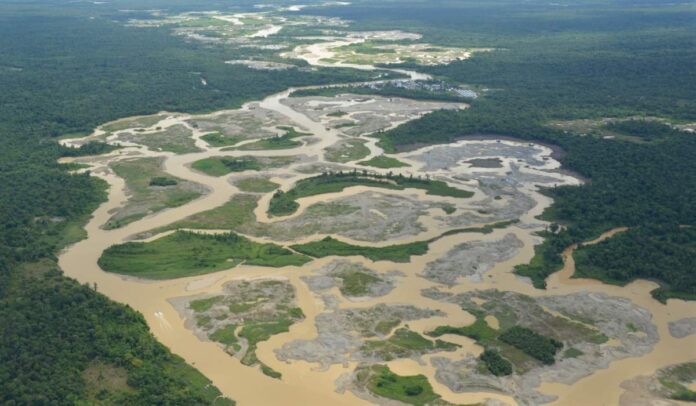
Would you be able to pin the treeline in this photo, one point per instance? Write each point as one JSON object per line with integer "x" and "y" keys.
{"x": 39, "y": 199}
{"x": 533, "y": 78}
{"x": 284, "y": 203}
{"x": 90, "y": 148}
{"x": 63, "y": 73}
{"x": 102, "y": 71}
{"x": 631, "y": 184}
{"x": 387, "y": 90}
{"x": 664, "y": 252}
{"x": 647, "y": 129}
{"x": 56, "y": 329}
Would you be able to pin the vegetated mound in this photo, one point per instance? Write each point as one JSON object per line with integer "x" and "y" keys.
{"x": 368, "y": 216}
{"x": 347, "y": 150}
{"x": 149, "y": 190}
{"x": 672, "y": 383}
{"x": 330, "y": 246}
{"x": 255, "y": 185}
{"x": 220, "y": 166}
{"x": 176, "y": 138}
{"x": 364, "y": 334}
{"x": 245, "y": 313}
{"x": 471, "y": 260}
{"x": 284, "y": 203}
{"x": 377, "y": 383}
{"x": 353, "y": 280}
{"x": 384, "y": 162}
{"x": 540, "y": 339}
{"x": 184, "y": 253}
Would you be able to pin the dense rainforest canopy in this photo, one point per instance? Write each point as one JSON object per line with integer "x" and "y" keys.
{"x": 66, "y": 67}
{"x": 62, "y": 72}
{"x": 587, "y": 61}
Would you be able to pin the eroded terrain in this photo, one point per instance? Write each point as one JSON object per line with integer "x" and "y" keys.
{"x": 407, "y": 285}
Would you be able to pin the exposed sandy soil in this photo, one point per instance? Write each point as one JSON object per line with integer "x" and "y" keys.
{"x": 319, "y": 353}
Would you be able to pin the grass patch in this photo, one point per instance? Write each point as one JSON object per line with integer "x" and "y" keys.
{"x": 675, "y": 378}
{"x": 396, "y": 253}
{"x": 240, "y": 307}
{"x": 356, "y": 283}
{"x": 384, "y": 162}
{"x": 186, "y": 254}
{"x": 202, "y": 305}
{"x": 345, "y": 125}
{"x": 177, "y": 139}
{"x": 285, "y": 141}
{"x": 347, "y": 151}
{"x": 572, "y": 352}
{"x": 330, "y": 246}
{"x": 479, "y": 331}
{"x": 385, "y": 327}
{"x": 222, "y": 166}
{"x": 237, "y": 211}
{"x": 150, "y": 190}
{"x": 413, "y": 389}
{"x": 404, "y": 343}
{"x": 203, "y": 321}
{"x": 225, "y": 335}
{"x": 256, "y": 185}
{"x": 255, "y": 332}
{"x": 217, "y": 139}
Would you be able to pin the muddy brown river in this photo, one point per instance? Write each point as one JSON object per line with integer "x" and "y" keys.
{"x": 304, "y": 383}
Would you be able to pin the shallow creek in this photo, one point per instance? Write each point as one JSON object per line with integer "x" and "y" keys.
{"x": 302, "y": 382}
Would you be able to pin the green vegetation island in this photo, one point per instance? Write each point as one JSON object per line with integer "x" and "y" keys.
{"x": 185, "y": 253}
{"x": 609, "y": 84}
{"x": 284, "y": 203}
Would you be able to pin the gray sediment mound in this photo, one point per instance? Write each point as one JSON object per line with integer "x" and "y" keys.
{"x": 471, "y": 260}
{"x": 242, "y": 303}
{"x": 254, "y": 122}
{"x": 367, "y": 216}
{"x": 599, "y": 327}
{"x": 444, "y": 157}
{"x": 341, "y": 333}
{"x": 357, "y": 383}
{"x": 661, "y": 388}
{"x": 683, "y": 327}
{"x": 485, "y": 163}
{"x": 321, "y": 167}
{"x": 505, "y": 197}
{"x": 368, "y": 113}
{"x": 643, "y": 391}
{"x": 355, "y": 281}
